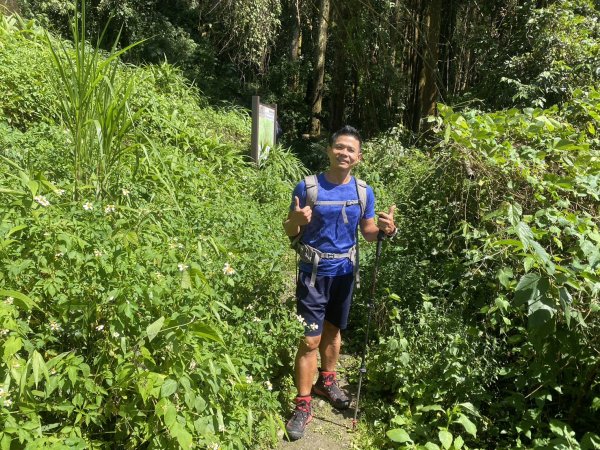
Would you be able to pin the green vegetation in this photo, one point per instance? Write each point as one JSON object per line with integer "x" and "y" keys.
{"x": 141, "y": 305}
{"x": 492, "y": 330}
{"x": 146, "y": 293}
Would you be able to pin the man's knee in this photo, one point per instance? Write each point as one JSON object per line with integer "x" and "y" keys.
{"x": 310, "y": 343}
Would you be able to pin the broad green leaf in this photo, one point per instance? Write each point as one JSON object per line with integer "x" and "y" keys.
{"x": 505, "y": 275}
{"x": 153, "y": 329}
{"x": 508, "y": 243}
{"x": 184, "y": 438}
{"x": 515, "y": 211}
{"x": 468, "y": 406}
{"x": 431, "y": 446}
{"x": 168, "y": 388}
{"x": 445, "y": 438}
{"x": 566, "y": 300}
{"x": 527, "y": 288}
{"x": 398, "y": 435}
{"x": 458, "y": 442}
{"x": 525, "y": 234}
{"x": 38, "y": 366}
{"x": 544, "y": 256}
{"x": 170, "y": 414}
{"x": 205, "y": 331}
{"x": 186, "y": 282}
{"x": 432, "y": 408}
{"x": 12, "y": 345}
{"x": 467, "y": 424}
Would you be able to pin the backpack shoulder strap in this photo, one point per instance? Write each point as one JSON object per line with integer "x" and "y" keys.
{"x": 361, "y": 189}
{"x": 312, "y": 190}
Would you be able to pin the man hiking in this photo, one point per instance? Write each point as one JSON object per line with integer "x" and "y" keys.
{"x": 323, "y": 220}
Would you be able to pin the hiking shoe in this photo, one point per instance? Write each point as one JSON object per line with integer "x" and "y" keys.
{"x": 300, "y": 418}
{"x": 327, "y": 386}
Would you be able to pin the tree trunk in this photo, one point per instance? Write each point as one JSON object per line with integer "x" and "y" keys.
{"x": 296, "y": 45}
{"x": 447, "y": 43}
{"x": 424, "y": 89}
{"x": 338, "y": 78}
{"x": 316, "y": 99}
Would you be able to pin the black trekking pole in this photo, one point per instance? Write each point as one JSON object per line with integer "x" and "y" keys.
{"x": 363, "y": 367}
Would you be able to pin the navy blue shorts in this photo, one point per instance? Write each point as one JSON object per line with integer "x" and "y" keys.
{"x": 329, "y": 299}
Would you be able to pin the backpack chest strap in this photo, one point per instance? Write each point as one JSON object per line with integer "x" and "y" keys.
{"x": 342, "y": 203}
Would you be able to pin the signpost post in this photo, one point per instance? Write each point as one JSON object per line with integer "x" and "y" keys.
{"x": 264, "y": 119}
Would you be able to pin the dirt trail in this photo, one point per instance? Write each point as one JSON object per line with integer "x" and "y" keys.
{"x": 330, "y": 429}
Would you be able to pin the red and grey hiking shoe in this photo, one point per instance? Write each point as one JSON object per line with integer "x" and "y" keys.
{"x": 327, "y": 386}
{"x": 300, "y": 418}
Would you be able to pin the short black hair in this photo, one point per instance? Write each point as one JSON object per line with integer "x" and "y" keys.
{"x": 346, "y": 130}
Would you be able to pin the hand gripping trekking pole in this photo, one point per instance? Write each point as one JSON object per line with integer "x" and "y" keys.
{"x": 363, "y": 367}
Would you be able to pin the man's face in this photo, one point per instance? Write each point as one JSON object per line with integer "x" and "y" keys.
{"x": 344, "y": 153}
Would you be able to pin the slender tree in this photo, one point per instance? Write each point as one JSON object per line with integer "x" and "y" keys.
{"x": 318, "y": 75}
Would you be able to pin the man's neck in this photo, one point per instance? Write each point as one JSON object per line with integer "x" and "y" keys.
{"x": 338, "y": 176}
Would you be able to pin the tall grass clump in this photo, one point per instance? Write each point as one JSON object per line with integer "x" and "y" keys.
{"x": 94, "y": 104}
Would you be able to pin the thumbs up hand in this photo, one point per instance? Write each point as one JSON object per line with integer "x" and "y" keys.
{"x": 385, "y": 221}
{"x": 301, "y": 216}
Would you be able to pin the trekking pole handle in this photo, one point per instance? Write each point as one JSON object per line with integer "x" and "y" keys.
{"x": 380, "y": 237}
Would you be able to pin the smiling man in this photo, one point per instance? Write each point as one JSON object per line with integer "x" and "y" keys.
{"x": 325, "y": 214}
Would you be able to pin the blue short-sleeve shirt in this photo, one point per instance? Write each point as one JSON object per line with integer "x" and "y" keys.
{"x": 327, "y": 230}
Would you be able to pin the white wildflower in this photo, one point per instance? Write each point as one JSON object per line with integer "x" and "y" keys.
{"x": 97, "y": 253}
{"x": 249, "y": 379}
{"x": 9, "y": 300}
{"x": 300, "y": 319}
{"x": 60, "y": 192}
{"x": 249, "y": 307}
{"x": 41, "y": 200}
{"x": 116, "y": 334}
{"x": 182, "y": 267}
{"x": 8, "y": 403}
{"x": 125, "y": 192}
{"x": 4, "y": 332}
{"x": 214, "y": 446}
{"x": 88, "y": 206}
{"x": 268, "y": 385}
{"x": 193, "y": 365}
{"x": 59, "y": 255}
{"x": 2, "y": 392}
{"x": 100, "y": 328}
{"x": 256, "y": 319}
{"x": 54, "y": 326}
{"x": 228, "y": 270}
{"x": 221, "y": 428}
{"x": 109, "y": 209}
{"x": 53, "y": 371}
{"x": 313, "y": 326}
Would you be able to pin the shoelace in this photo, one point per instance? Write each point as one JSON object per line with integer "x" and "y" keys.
{"x": 329, "y": 380}
{"x": 303, "y": 406}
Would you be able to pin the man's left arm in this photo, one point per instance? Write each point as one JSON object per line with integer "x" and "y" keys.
{"x": 385, "y": 223}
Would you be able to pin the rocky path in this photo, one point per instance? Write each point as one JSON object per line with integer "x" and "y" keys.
{"x": 330, "y": 429}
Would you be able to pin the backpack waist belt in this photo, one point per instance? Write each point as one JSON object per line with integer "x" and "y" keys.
{"x": 312, "y": 256}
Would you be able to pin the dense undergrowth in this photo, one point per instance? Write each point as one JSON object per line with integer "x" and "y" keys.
{"x": 489, "y": 338}
{"x": 141, "y": 306}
